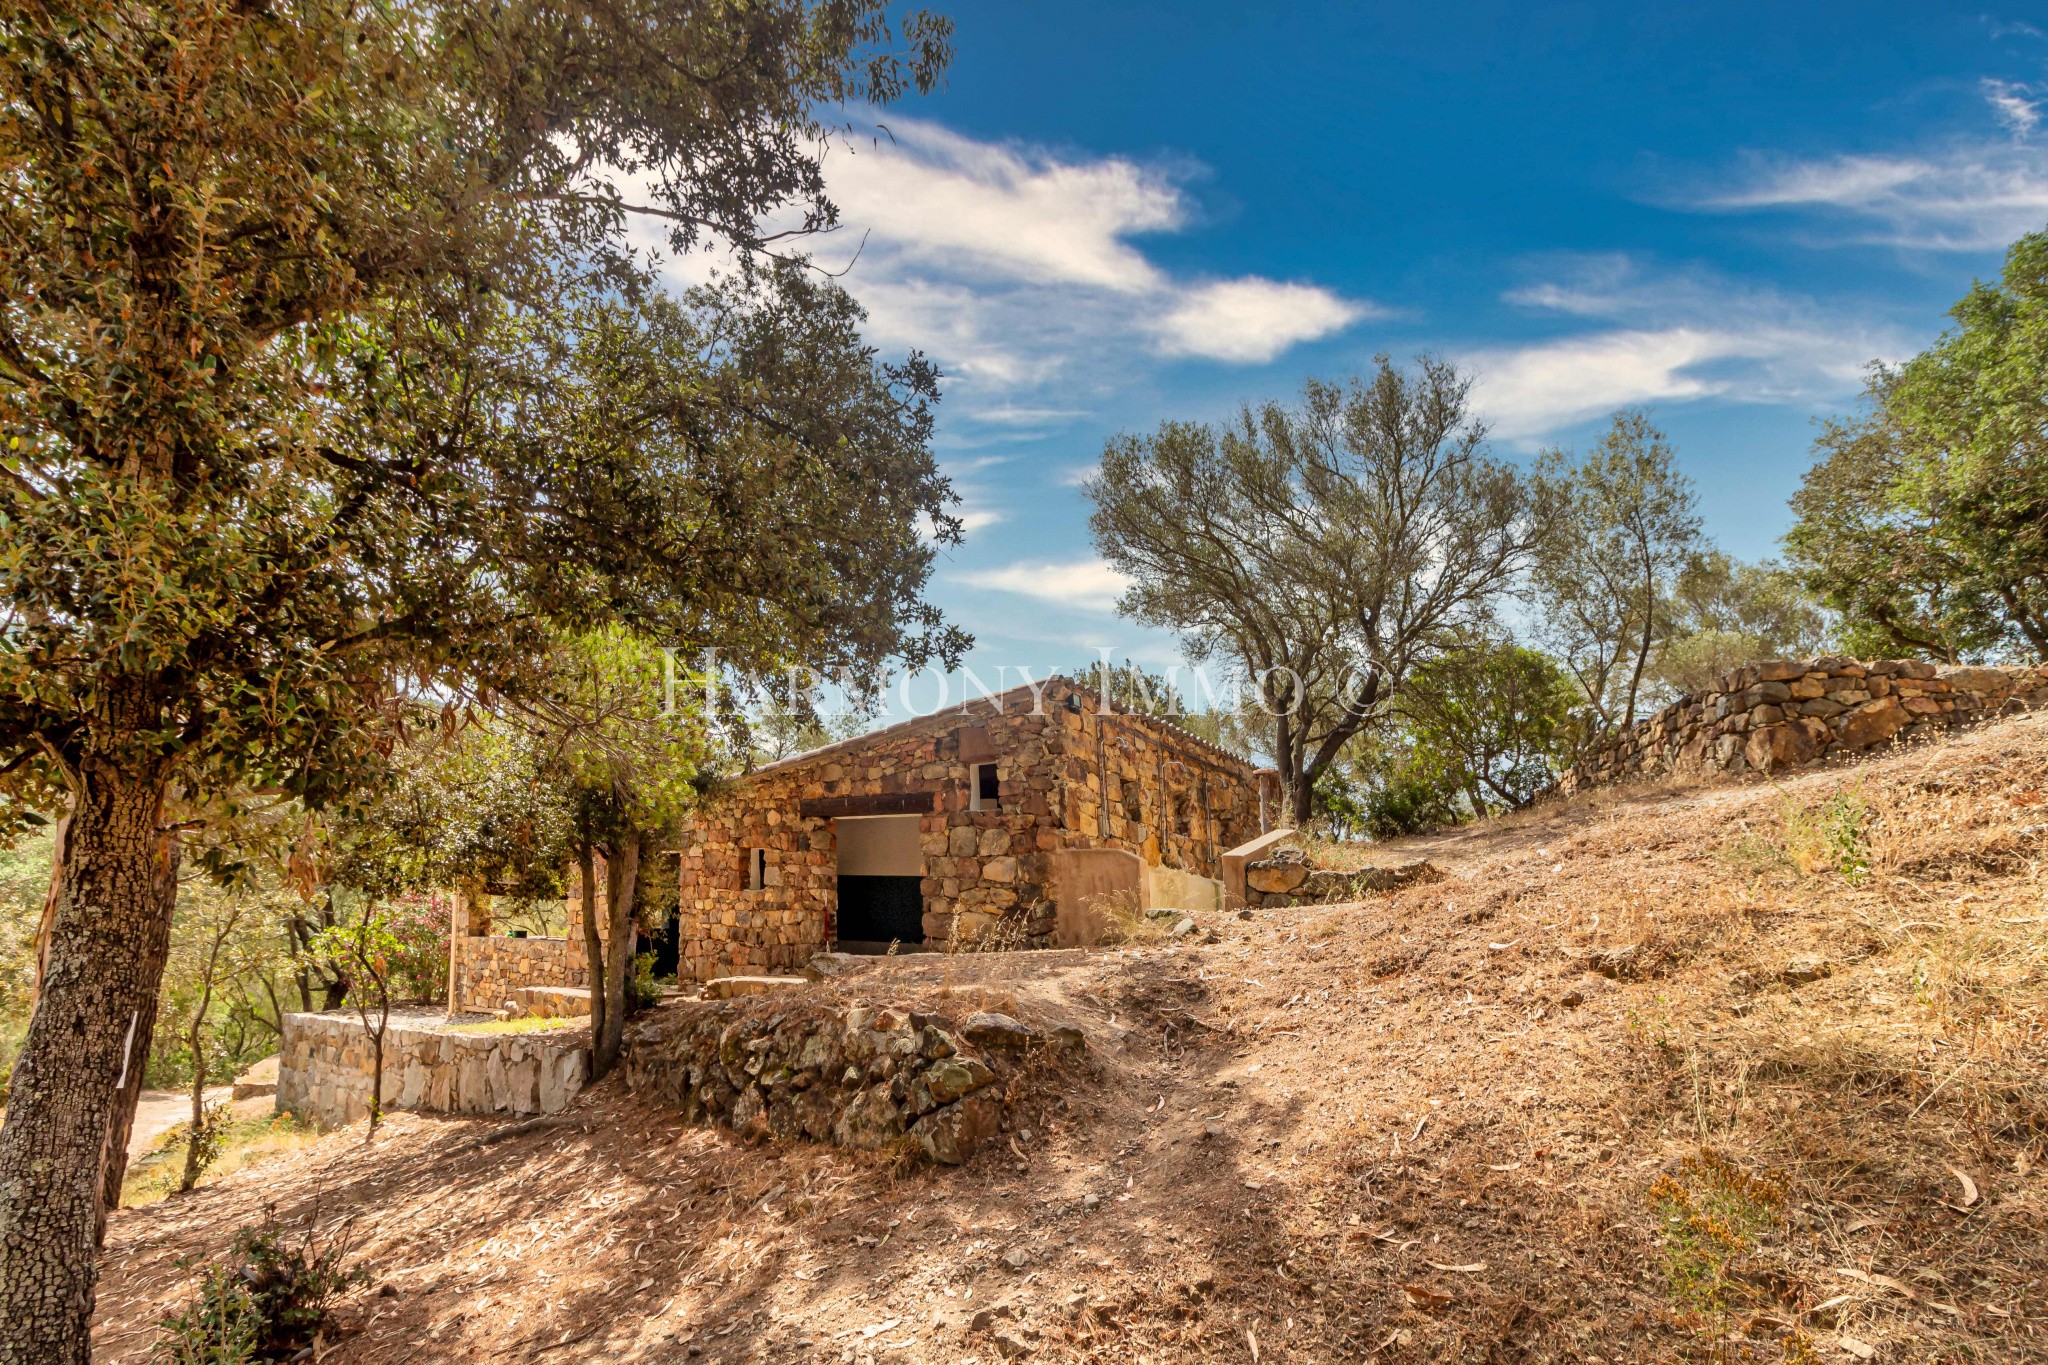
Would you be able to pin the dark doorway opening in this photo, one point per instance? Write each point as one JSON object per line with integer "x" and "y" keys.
{"x": 667, "y": 946}
{"x": 880, "y": 910}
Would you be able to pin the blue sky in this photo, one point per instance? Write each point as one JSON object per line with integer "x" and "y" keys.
{"x": 1120, "y": 213}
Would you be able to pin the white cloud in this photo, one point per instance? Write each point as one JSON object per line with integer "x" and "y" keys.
{"x": 1088, "y": 584}
{"x": 2016, "y": 105}
{"x": 976, "y": 518}
{"x": 1251, "y": 320}
{"x": 1020, "y": 270}
{"x": 1018, "y": 212}
{"x": 1970, "y": 194}
{"x": 1672, "y": 337}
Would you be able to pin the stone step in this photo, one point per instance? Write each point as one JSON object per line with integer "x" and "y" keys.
{"x": 550, "y": 1002}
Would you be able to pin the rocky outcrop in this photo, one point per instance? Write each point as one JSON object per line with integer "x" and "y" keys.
{"x": 853, "y": 1075}
{"x": 1780, "y": 713}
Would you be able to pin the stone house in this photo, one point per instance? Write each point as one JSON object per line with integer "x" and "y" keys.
{"x": 954, "y": 829}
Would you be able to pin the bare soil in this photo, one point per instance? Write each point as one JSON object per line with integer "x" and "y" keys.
{"x": 1727, "y": 1071}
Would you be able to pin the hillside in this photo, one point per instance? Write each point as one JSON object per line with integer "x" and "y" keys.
{"x": 1735, "y": 1070}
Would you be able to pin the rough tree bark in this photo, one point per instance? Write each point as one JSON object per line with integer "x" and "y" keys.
{"x": 84, "y": 1042}
{"x": 152, "y": 951}
{"x": 593, "y": 945}
{"x": 621, "y": 873}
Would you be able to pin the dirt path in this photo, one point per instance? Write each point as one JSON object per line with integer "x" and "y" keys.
{"x": 159, "y": 1111}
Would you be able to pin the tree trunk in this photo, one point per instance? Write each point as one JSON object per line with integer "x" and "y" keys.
{"x": 593, "y": 949}
{"x": 152, "y": 952}
{"x": 86, "y": 1039}
{"x": 621, "y": 875}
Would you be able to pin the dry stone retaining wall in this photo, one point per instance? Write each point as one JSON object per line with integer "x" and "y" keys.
{"x": 492, "y": 969}
{"x": 853, "y": 1075}
{"x": 1781, "y": 713}
{"x": 325, "y": 1066}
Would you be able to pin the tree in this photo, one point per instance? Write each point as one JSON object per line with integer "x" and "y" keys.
{"x": 1726, "y": 613}
{"x": 365, "y": 942}
{"x": 1615, "y": 529}
{"x": 1925, "y": 521}
{"x": 214, "y": 933}
{"x": 281, "y": 287}
{"x": 1325, "y": 549}
{"x": 1495, "y": 720}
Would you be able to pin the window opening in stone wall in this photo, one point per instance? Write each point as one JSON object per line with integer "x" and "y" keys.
{"x": 987, "y": 788}
{"x": 757, "y": 868}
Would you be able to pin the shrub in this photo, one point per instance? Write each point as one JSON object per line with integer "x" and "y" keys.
{"x": 1712, "y": 1215}
{"x": 1831, "y": 837}
{"x": 641, "y": 990}
{"x": 264, "y": 1301}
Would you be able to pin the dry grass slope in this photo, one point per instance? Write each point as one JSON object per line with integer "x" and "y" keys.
{"x": 1726, "y": 1072}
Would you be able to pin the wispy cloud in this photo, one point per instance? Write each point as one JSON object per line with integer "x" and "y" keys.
{"x": 1671, "y": 336}
{"x": 1968, "y": 194}
{"x": 1022, "y": 269}
{"x": 1088, "y": 584}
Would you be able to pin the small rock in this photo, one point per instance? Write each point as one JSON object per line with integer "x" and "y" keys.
{"x": 1009, "y": 1347}
{"x": 1805, "y": 968}
{"x": 991, "y": 1030}
{"x": 1183, "y": 929}
{"x": 1279, "y": 874}
{"x": 1571, "y": 1000}
{"x": 1244, "y": 914}
{"x": 1016, "y": 1258}
{"x": 1091, "y": 1200}
{"x": 985, "y": 1317}
{"x": 1212, "y": 1131}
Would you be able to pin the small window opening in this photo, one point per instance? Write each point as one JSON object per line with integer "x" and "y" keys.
{"x": 986, "y": 793}
{"x": 757, "y": 868}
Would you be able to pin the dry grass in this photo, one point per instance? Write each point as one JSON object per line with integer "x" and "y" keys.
{"x": 525, "y": 1024}
{"x": 1735, "y": 1071}
{"x": 247, "y": 1142}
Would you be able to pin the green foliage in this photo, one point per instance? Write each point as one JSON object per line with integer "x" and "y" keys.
{"x": 264, "y": 1301}
{"x": 1615, "y": 528}
{"x": 1925, "y": 521}
{"x": 1711, "y": 1214}
{"x": 1833, "y": 836}
{"x": 1323, "y": 549}
{"x": 642, "y": 992}
{"x": 24, "y": 881}
{"x": 1495, "y": 720}
{"x": 1726, "y": 613}
{"x": 204, "y": 1141}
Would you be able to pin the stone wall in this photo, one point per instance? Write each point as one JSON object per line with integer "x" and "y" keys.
{"x": 490, "y": 969}
{"x": 1778, "y": 713}
{"x": 852, "y": 1075}
{"x": 1068, "y": 776}
{"x": 325, "y": 1068}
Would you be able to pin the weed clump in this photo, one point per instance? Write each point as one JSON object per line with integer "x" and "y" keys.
{"x": 266, "y": 1300}
{"x": 1833, "y": 836}
{"x": 1712, "y": 1216}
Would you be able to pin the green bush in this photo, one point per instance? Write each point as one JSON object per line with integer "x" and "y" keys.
{"x": 641, "y": 990}
{"x": 264, "y": 1301}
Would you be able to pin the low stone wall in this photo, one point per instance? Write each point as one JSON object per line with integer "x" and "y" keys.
{"x": 1781, "y": 713}
{"x": 853, "y": 1075}
{"x": 325, "y": 1067}
{"x": 490, "y": 969}
{"x": 1286, "y": 876}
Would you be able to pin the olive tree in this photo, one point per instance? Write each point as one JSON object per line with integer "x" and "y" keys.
{"x": 1322, "y": 549}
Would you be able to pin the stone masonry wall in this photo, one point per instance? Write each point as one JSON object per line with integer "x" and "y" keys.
{"x": 989, "y": 873}
{"x": 488, "y": 969}
{"x": 853, "y": 1075}
{"x": 1780, "y": 713}
{"x": 325, "y": 1068}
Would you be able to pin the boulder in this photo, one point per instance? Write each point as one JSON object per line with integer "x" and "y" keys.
{"x": 1977, "y": 679}
{"x": 1779, "y": 746}
{"x": 1279, "y": 874}
{"x": 1872, "y": 723}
